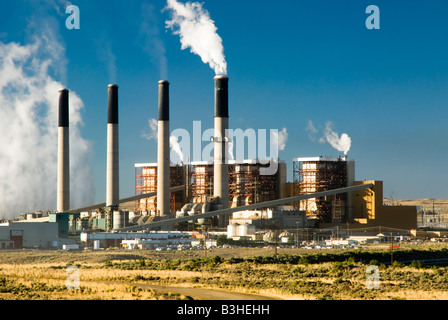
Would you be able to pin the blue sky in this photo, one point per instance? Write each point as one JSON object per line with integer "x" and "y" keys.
{"x": 289, "y": 62}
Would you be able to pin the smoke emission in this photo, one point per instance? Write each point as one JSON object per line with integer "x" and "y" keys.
{"x": 152, "y": 41}
{"x": 175, "y": 146}
{"x": 198, "y": 32}
{"x": 342, "y": 143}
{"x": 281, "y": 137}
{"x": 28, "y": 129}
{"x": 152, "y": 135}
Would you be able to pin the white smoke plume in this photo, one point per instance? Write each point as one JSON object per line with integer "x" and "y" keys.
{"x": 153, "y": 135}
{"x": 342, "y": 143}
{"x": 281, "y": 137}
{"x": 107, "y": 58}
{"x": 29, "y": 130}
{"x": 197, "y": 31}
{"x": 312, "y": 131}
{"x": 175, "y": 146}
{"x": 152, "y": 41}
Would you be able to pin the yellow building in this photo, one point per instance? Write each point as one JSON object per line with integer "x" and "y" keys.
{"x": 369, "y": 210}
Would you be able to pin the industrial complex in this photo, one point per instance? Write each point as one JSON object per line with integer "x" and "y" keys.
{"x": 187, "y": 204}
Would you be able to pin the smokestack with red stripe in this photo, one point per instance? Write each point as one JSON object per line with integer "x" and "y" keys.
{"x": 163, "y": 151}
{"x": 221, "y": 171}
{"x": 63, "y": 187}
{"x": 112, "y": 178}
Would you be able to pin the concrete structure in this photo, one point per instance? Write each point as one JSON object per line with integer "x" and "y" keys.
{"x": 163, "y": 151}
{"x": 63, "y": 183}
{"x": 220, "y": 140}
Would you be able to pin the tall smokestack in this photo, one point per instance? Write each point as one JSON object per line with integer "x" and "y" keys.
{"x": 112, "y": 183}
{"x": 63, "y": 187}
{"x": 221, "y": 171}
{"x": 163, "y": 150}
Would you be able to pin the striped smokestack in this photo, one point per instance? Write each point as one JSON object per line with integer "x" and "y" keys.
{"x": 63, "y": 187}
{"x": 221, "y": 171}
{"x": 163, "y": 151}
{"x": 112, "y": 183}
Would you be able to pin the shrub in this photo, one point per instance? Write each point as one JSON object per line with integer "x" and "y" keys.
{"x": 397, "y": 264}
{"x": 373, "y": 262}
{"x": 417, "y": 264}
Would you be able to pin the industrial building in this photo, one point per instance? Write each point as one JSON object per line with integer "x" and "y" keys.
{"x": 31, "y": 234}
{"x": 246, "y": 185}
{"x": 316, "y": 174}
{"x": 146, "y": 177}
{"x": 230, "y": 195}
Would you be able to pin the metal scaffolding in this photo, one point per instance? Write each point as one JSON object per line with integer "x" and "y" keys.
{"x": 313, "y": 175}
{"x": 146, "y": 182}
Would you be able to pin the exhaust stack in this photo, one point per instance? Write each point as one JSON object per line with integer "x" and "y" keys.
{"x": 163, "y": 151}
{"x": 63, "y": 187}
{"x": 221, "y": 171}
{"x": 112, "y": 183}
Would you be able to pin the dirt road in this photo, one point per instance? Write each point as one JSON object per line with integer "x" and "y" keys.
{"x": 205, "y": 294}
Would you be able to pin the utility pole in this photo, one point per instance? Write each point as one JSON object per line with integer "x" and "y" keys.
{"x": 275, "y": 236}
{"x": 391, "y": 249}
{"x": 205, "y": 241}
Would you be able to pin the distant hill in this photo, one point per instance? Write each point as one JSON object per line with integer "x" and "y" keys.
{"x": 439, "y": 206}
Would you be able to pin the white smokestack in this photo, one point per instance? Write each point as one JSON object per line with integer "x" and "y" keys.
{"x": 112, "y": 183}
{"x": 197, "y": 31}
{"x": 63, "y": 188}
{"x": 163, "y": 151}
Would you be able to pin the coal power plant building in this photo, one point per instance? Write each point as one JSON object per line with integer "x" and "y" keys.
{"x": 245, "y": 184}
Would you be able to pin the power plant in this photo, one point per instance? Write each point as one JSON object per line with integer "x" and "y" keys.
{"x": 231, "y": 197}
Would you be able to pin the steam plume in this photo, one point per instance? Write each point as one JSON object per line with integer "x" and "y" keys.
{"x": 197, "y": 31}
{"x": 152, "y": 135}
{"x": 281, "y": 137}
{"x": 342, "y": 143}
{"x": 175, "y": 146}
{"x": 28, "y": 129}
{"x": 153, "y": 43}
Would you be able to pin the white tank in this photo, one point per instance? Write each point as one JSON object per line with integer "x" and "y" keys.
{"x": 232, "y": 230}
{"x": 121, "y": 219}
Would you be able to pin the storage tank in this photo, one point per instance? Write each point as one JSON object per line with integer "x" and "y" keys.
{"x": 232, "y": 230}
{"x": 268, "y": 236}
{"x": 246, "y": 229}
{"x": 121, "y": 219}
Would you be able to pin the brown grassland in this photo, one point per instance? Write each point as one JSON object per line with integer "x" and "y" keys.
{"x": 290, "y": 274}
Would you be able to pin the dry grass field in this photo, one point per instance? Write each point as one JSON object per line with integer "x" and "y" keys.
{"x": 291, "y": 274}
